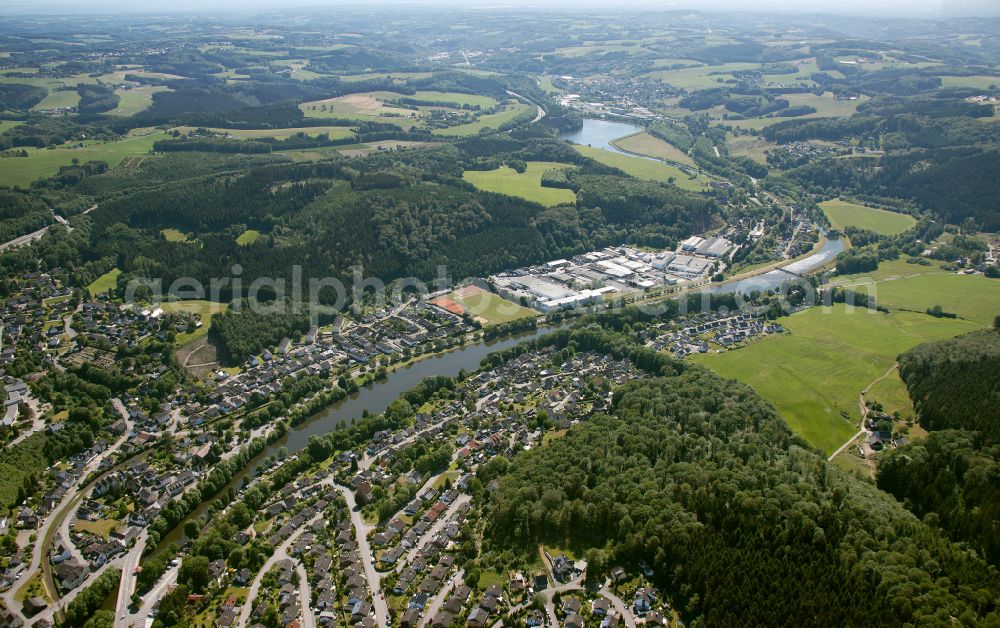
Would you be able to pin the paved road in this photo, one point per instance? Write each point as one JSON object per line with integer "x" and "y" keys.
{"x": 305, "y": 597}
{"x": 432, "y": 532}
{"x": 442, "y": 596}
{"x": 22, "y": 240}
{"x": 361, "y": 530}
{"x": 49, "y": 613}
{"x": 623, "y": 610}
{"x": 280, "y": 554}
{"x": 150, "y": 600}
{"x": 28, "y": 238}
{"x": 48, "y": 530}
{"x": 126, "y": 586}
{"x": 541, "y": 112}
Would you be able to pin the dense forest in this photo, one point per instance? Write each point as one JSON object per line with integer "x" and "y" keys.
{"x": 741, "y": 522}
{"x": 952, "y": 478}
{"x": 396, "y": 216}
{"x": 954, "y": 384}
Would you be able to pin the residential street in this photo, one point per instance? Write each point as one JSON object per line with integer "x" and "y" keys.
{"x": 361, "y": 530}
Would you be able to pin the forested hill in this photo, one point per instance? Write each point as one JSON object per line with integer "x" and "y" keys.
{"x": 952, "y": 478}
{"x": 954, "y": 383}
{"x": 742, "y": 524}
{"x": 398, "y": 214}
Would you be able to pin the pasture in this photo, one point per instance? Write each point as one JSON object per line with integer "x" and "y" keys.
{"x": 527, "y": 184}
{"x": 491, "y": 120}
{"x": 335, "y": 132}
{"x": 174, "y": 235}
{"x": 248, "y": 237}
{"x": 973, "y": 298}
{"x": 45, "y": 162}
{"x": 846, "y": 214}
{"x": 135, "y": 100}
{"x": 652, "y": 146}
{"x": 105, "y": 282}
{"x": 819, "y": 369}
{"x": 200, "y": 308}
{"x": 647, "y": 169}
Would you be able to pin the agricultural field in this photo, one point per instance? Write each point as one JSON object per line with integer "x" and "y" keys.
{"x": 652, "y": 146}
{"x": 977, "y": 82}
{"x": 374, "y": 105}
{"x": 545, "y": 82}
{"x": 641, "y": 168}
{"x": 702, "y": 76}
{"x": 174, "y": 235}
{"x": 400, "y": 76}
{"x": 201, "y": 308}
{"x": 527, "y": 185}
{"x": 489, "y": 308}
{"x": 105, "y": 282}
{"x": 752, "y": 147}
{"x": 973, "y": 298}
{"x": 597, "y": 49}
{"x": 492, "y": 120}
{"x": 8, "y": 124}
{"x": 248, "y": 237}
{"x": 363, "y": 107}
{"x": 135, "y": 100}
{"x": 826, "y": 107}
{"x": 819, "y": 369}
{"x": 846, "y": 214}
{"x": 45, "y": 162}
{"x": 335, "y": 132}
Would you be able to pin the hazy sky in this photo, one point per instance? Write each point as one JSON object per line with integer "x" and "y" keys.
{"x": 898, "y": 8}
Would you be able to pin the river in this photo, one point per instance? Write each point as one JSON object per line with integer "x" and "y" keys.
{"x": 773, "y": 279}
{"x": 600, "y": 134}
{"x": 375, "y": 398}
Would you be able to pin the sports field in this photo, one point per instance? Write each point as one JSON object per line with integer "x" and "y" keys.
{"x": 821, "y": 367}
{"x": 845, "y": 214}
{"x": 490, "y": 308}
{"x": 647, "y": 169}
{"x": 527, "y": 185}
{"x": 45, "y": 162}
{"x": 652, "y": 146}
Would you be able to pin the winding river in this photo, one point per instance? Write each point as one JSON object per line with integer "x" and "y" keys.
{"x": 375, "y": 398}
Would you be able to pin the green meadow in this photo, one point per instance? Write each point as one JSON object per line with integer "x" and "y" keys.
{"x": 105, "y": 282}
{"x": 901, "y": 286}
{"x": 819, "y": 369}
{"x": 45, "y": 162}
{"x": 845, "y": 214}
{"x": 492, "y": 120}
{"x": 642, "y": 168}
{"x": 527, "y": 184}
